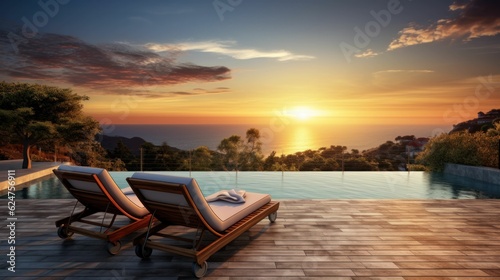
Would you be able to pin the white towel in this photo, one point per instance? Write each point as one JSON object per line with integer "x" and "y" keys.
{"x": 233, "y": 196}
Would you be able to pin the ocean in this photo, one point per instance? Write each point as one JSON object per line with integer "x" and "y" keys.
{"x": 282, "y": 139}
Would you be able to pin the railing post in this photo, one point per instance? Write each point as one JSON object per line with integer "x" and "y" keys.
{"x": 141, "y": 158}
{"x": 342, "y": 161}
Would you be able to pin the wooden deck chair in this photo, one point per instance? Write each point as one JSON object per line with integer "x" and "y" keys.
{"x": 97, "y": 192}
{"x": 178, "y": 201}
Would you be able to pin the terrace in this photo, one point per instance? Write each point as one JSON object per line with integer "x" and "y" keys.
{"x": 344, "y": 238}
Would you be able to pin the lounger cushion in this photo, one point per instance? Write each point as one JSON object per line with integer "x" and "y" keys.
{"x": 128, "y": 202}
{"x": 230, "y": 213}
{"x": 219, "y": 215}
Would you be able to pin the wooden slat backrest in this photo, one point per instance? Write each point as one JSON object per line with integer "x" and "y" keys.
{"x": 98, "y": 201}
{"x": 169, "y": 213}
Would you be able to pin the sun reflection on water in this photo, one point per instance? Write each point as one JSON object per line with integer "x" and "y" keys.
{"x": 301, "y": 138}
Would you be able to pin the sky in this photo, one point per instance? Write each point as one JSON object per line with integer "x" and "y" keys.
{"x": 254, "y": 61}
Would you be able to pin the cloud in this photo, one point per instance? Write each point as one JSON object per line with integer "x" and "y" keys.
{"x": 477, "y": 18}
{"x": 367, "y": 53}
{"x": 201, "y": 91}
{"x": 61, "y": 58}
{"x": 227, "y": 48}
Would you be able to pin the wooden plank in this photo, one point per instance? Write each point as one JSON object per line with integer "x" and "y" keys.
{"x": 341, "y": 239}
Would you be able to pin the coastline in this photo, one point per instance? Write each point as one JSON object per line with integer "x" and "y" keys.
{"x": 288, "y": 139}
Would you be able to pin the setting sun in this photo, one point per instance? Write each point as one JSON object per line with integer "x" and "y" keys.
{"x": 302, "y": 113}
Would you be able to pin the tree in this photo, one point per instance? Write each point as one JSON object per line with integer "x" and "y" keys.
{"x": 253, "y": 157}
{"x": 333, "y": 151}
{"x": 38, "y": 115}
{"x": 91, "y": 153}
{"x": 315, "y": 163}
{"x": 272, "y": 162}
{"x": 122, "y": 152}
{"x": 149, "y": 152}
{"x": 406, "y": 138}
{"x": 495, "y": 130}
{"x": 201, "y": 159}
{"x": 166, "y": 159}
{"x": 231, "y": 148}
{"x": 359, "y": 164}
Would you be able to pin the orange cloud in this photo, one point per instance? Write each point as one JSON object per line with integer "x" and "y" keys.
{"x": 367, "y": 53}
{"x": 477, "y": 18}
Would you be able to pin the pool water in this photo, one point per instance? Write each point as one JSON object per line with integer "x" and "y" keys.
{"x": 308, "y": 185}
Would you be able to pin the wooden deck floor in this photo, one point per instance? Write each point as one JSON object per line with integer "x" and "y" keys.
{"x": 340, "y": 239}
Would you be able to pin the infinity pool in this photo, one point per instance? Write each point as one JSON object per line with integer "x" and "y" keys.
{"x": 309, "y": 185}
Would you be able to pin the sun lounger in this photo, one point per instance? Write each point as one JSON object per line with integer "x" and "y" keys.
{"x": 97, "y": 192}
{"x": 178, "y": 201}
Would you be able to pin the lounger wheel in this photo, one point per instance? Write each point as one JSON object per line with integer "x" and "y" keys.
{"x": 63, "y": 232}
{"x": 142, "y": 251}
{"x": 114, "y": 248}
{"x": 200, "y": 270}
{"x": 272, "y": 217}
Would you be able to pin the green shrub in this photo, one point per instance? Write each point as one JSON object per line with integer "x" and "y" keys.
{"x": 417, "y": 167}
{"x": 477, "y": 149}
